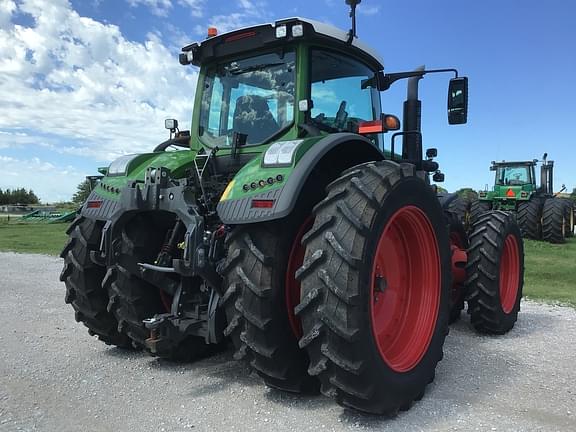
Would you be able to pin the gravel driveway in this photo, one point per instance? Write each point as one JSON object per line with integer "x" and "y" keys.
{"x": 55, "y": 377}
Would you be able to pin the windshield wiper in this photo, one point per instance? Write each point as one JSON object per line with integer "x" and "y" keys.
{"x": 253, "y": 68}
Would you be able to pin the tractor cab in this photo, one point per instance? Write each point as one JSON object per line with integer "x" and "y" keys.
{"x": 294, "y": 78}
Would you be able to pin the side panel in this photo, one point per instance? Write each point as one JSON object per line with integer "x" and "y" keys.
{"x": 284, "y": 198}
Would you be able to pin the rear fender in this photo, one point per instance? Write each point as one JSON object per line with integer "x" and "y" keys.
{"x": 322, "y": 163}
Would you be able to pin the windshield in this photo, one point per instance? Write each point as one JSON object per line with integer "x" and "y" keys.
{"x": 253, "y": 97}
{"x": 339, "y": 101}
{"x": 512, "y": 175}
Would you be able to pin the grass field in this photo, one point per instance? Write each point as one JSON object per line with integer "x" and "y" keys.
{"x": 550, "y": 269}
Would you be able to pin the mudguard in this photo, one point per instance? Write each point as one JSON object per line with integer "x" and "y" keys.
{"x": 284, "y": 198}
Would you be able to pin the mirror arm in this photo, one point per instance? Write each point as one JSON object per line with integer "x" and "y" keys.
{"x": 384, "y": 81}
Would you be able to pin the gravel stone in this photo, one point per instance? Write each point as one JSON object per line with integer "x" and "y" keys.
{"x": 55, "y": 377}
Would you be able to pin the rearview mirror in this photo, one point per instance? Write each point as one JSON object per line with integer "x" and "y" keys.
{"x": 458, "y": 101}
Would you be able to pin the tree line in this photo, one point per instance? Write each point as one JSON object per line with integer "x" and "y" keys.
{"x": 18, "y": 196}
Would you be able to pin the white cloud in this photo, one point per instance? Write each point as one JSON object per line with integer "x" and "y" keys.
{"x": 251, "y": 12}
{"x": 157, "y": 7}
{"x": 74, "y": 77}
{"x": 50, "y": 182}
{"x": 162, "y": 7}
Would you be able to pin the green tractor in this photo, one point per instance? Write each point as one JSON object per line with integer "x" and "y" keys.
{"x": 284, "y": 226}
{"x": 541, "y": 214}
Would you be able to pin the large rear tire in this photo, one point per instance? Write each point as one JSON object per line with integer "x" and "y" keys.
{"x": 83, "y": 279}
{"x": 270, "y": 334}
{"x": 495, "y": 273}
{"x": 461, "y": 208}
{"x": 554, "y": 221}
{"x": 529, "y": 218}
{"x": 569, "y": 217}
{"x": 133, "y": 300}
{"x": 374, "y": 321}
{"x": 477, "y": 209}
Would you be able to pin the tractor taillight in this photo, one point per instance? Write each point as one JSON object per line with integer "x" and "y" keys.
{"x": 94, "y": 204}
{"x": 260, "y": 203}
{"x": 370, "y": 127}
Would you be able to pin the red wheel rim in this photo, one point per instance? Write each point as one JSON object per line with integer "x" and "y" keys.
{"x": 291, "y": 285}
{"x": 509, "y": 273}
{"x": 405, "y": 291}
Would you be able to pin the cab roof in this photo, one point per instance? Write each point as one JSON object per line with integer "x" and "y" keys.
{"x": 265, "y": 35}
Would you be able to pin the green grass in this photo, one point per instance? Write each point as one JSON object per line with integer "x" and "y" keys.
{"x": 40, "y": 238}
{"x": 550, "y": 273}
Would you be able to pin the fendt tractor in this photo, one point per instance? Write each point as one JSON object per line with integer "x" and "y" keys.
{"x": 541, "y": 213}
{"x": 284, "y": 226}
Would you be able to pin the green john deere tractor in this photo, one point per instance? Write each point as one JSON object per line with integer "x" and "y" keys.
{"x": 541, "y": 214}
{"x": 284, "y": 226}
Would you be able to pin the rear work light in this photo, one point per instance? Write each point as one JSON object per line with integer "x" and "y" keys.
{"x": 297, "y": 30}
{"x": 281, "y": 31}
{"x": 262, "y": 203}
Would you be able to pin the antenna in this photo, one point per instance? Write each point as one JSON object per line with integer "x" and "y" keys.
{"x": 352, "y": 32}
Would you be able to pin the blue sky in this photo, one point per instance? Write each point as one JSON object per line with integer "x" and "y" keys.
{"x": 84, "y": 81}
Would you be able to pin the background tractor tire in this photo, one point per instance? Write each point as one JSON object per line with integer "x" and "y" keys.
{"x": 529, "y": 217}
{"x": 132, "y": 299}
{"x": 353, "y": 279}
{"x": 83, "y": 279}
{"x": 569, "y": 217}
{"x": 554, "y": 221}
{"x": 263, "y": 252}
{"x": 478, "y": 208}
{"x": 461, "y": 208}
{"x": 495, "y": 273}
{"x": 459, "y": 239}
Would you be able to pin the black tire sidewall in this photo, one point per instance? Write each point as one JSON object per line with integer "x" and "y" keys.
{"x": 409, "y": 191}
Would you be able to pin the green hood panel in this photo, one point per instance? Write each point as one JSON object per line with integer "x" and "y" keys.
{"x": 176, "y": 161}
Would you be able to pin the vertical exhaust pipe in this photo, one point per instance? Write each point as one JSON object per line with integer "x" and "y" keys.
{"x": 412, "y": 118}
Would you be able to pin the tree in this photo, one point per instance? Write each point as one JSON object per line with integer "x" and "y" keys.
{"x": 573, "y": 195}
{"x": 18, "y": 196}
{"x": 467, "y": 193}
{"x": 82, "y": 192}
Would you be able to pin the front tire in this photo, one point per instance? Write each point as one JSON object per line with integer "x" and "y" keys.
{"x": 495, "y": 273}
{"x": 374, "y": 321}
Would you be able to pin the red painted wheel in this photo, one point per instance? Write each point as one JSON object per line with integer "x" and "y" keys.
{"x": 509, "y": 273}
{"x": 292, "y": 286}
{"x": 406, "y": 287}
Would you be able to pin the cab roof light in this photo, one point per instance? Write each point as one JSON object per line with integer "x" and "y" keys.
{"x": 297, "y": 30}
{"x": 212, "y": 32}
{"x": 281, "y": 31}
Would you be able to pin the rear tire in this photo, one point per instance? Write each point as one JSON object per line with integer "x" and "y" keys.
{"x": 554, "y": 221}
{"x": 350, "y": 265}
{"x": 529, "y": 216}
{"x": 260, "y": 271}
{"x": 83, "y": 279}
{"x": 569, "y": 216}
{"x": 495, "y": 273}
{"x": 477, "y": 209}
{"x": 461, "y": 208}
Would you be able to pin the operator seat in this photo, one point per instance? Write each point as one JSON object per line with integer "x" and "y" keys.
{"x": 252, "y": 117}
